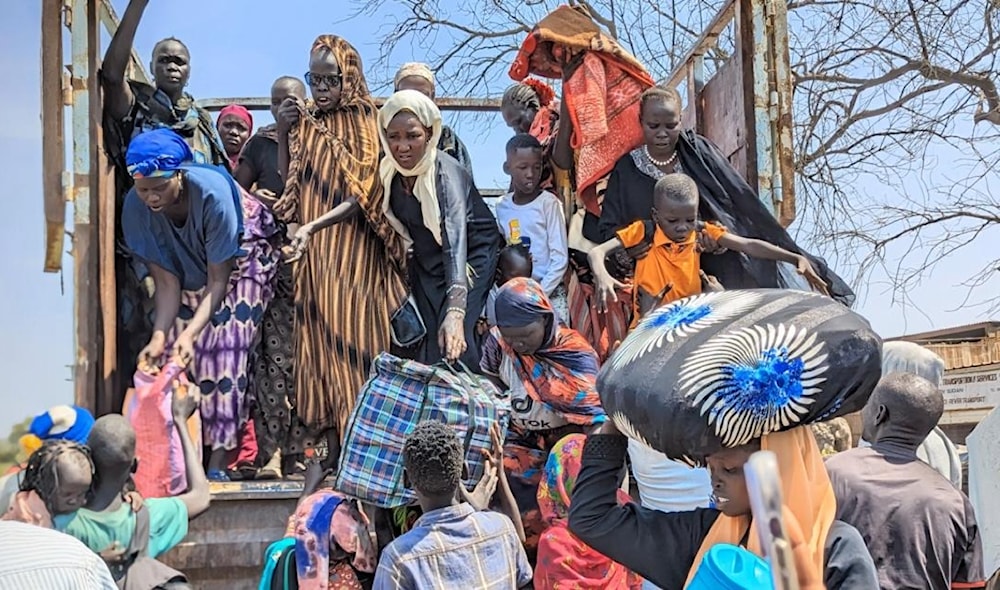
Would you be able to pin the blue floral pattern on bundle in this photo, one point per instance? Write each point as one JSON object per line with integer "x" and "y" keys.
{"x": 681, "y": 319}
{"x": 761, "y": 389}
{"x": 755, "y": 380}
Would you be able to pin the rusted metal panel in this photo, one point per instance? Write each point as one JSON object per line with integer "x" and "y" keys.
{"x": 85, "y": 40}
{"x": 54, "y": 146}
{"x": 448, "y": 103}
{"x": 224, "y": 548}
{"x": 723, "y": 115}
{"x": 754, "y": 44}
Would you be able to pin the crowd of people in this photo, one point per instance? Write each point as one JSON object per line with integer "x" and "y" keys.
{"x": 275, "y": 264}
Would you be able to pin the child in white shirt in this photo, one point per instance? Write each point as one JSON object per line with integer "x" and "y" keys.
{"x": 532, "y": 216}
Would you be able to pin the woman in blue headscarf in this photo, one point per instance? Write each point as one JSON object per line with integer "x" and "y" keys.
{"x": 211, "y": 250}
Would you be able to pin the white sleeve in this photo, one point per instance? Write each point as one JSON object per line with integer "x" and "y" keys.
{"x": 555, "y": 224}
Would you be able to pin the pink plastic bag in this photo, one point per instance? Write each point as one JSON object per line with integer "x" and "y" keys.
{"x": 161, "y": 472}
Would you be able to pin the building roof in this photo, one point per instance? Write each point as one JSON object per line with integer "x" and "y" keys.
{"x": 957, "y": 334}
{"x": 961, "y": 347}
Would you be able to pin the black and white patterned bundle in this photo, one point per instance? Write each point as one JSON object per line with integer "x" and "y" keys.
{"x": 722, "y": 369}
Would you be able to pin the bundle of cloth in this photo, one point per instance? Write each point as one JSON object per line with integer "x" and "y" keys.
{"x": 601, "y": 94}
{"x": 752, "y": 367}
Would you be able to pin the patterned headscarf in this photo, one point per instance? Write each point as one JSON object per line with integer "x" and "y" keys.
{"x": 555, "y": 490}
{"x": 521, "y": 302}
{"x": 354, "y": 88}
{"x": 563, "y": 372}
{"x": 157, "y": 153}
{"x": 564, "y": 561}
{"x": 414, "y": 68}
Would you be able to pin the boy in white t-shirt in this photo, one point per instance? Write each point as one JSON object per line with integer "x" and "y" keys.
{"x": 535, "y": 217}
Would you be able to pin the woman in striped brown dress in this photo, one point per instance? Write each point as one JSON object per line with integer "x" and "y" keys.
{"x": 347, "y": 282}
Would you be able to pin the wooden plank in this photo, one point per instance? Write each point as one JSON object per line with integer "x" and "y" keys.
{"x": 968, "y": 354}
{"x": 705, "y": 42}
{"x": 784, "y": 181}
{"x": 745, "y": 55}
{"x": 54, "y": 146}
{"x": 723, "y": 114}
{"x": 110, "y": 387}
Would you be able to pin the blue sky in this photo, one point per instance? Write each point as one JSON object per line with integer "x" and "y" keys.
{"x": 235, "y": 53}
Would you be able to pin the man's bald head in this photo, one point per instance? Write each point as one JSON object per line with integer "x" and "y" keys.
{"x": 904, "y": 407}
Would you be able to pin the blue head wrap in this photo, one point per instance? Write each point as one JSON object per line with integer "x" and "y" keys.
{"x": 157, "y": 153}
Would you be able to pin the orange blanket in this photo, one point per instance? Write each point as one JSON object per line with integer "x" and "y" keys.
{"x": 601, "y": 95}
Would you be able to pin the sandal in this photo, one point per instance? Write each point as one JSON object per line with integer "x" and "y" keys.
{"x": 217, "y": 475}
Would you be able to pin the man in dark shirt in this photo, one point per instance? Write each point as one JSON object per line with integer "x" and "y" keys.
{"x": 259, "y": 160}
{"x": 920, "y": 530}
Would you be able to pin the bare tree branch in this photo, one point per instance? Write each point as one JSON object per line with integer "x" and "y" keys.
{"x": 885, "y": 92}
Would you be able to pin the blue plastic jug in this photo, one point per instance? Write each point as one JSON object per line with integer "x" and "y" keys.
{"x": 728, "y": 567}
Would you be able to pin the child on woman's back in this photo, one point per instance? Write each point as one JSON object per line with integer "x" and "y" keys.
{"x": 668, "y": 265}
{"x": 535, "y": 217}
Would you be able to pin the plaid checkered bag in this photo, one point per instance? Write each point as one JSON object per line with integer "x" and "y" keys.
{"x": 400, "y": 394}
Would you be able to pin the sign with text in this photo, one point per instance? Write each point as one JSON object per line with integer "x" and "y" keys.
{"x": 972, "y": 390}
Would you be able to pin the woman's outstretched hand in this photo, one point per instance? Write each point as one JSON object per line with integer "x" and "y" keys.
{"x": 183, "y": 352}
{"x": 300, "y": 243}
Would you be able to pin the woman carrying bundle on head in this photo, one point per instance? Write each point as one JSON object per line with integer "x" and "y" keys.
{"x": 748, "y": 371}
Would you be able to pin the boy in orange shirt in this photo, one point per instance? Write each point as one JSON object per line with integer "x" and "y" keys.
{"x": 668, "y": 266}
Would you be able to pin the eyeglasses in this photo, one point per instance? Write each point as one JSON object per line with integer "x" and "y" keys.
{"x": 331, "y": 80}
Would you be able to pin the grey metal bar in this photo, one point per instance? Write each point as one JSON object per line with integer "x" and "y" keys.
{"x": 448, "y": 103}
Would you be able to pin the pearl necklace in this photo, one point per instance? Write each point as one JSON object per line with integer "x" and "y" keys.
{"x": 660, "y": 163}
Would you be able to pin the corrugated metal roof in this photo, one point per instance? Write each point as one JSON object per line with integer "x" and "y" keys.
{"x": 957, "y": 333}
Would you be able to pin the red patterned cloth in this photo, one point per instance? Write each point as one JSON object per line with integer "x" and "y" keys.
{"x": 564, "y": 561}
{"x": 601, "y": 95}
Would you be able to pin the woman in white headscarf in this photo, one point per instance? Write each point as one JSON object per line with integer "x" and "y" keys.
{"x": 453, "y": 237}
{"x": 418, "y": 76}
{"x": 937, "y": 451}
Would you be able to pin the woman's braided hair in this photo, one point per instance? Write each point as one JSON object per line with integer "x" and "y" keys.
{"x": 40, "y": 474}
{"x": 530, "y": 93}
